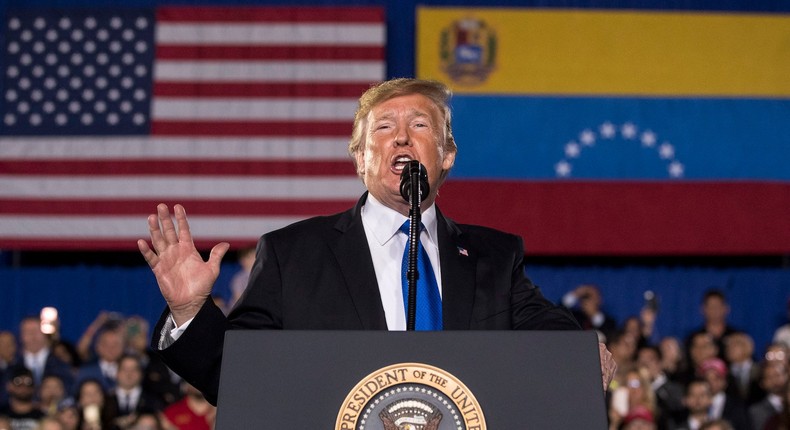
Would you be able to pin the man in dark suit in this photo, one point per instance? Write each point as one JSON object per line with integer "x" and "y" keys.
{"x": 343, "y": 271}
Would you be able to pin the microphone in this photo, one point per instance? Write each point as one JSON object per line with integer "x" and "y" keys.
{"x": 414, "y": 171}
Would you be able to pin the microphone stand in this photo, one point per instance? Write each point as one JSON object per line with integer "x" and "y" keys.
{"x": 415, "y": 217}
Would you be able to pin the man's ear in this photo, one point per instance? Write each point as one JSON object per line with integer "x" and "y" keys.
{"x": 448, "y": 161}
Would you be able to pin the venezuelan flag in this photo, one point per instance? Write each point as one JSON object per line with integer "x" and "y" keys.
{"x": 617, "y": 132}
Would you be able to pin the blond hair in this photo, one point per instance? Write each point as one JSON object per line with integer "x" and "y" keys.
{"x": 437, "y": 92}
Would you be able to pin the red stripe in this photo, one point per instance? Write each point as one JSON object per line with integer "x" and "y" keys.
{"x": 619, "y": 218}
{"x": 178, "y": 167}
{"x": 250, "y": 129}
{"x": 290, "y": 52}
{"x": 271, "y": 14}
{"x": 218, "y": 207}
{"x": 99, "y": 243}
{"x": 253, "y": 90}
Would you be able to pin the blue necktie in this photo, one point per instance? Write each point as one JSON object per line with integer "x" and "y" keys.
{"x": 429, "y": 303}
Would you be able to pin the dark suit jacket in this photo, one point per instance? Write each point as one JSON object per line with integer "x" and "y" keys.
{"x": 318, "y": 274}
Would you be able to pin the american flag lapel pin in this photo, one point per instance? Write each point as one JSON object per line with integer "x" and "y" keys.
{"x": 463, "y": 251}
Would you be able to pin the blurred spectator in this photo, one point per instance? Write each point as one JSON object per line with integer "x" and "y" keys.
{"x": 158, "y": 379}
{"x": 36, "y": 354}
{"x": 239, "y": 281}
{"x": 739, "y": 350}
{"x": 69, "y": 416}
{"x": 778, "y": 353}
{"x": 146, "y": 421}
{"x": 716, "y": 425}
{"x": 49, "y": 423}
{"x": 715, "y": 311}
{"x": 109, "y": 348}
{"x": 697, "y": 402}
{"x": 7, "y": 349}
{"x": 94, "y": 412}
{"x": 774, "y": 381}
{"x": 585, "y": 302}
{"x": 623, "y": 349}
{"x": 192, "y": 412}
{"x": 51, "y": 393}
{"x": 781, "y": 421}
{"x": 669, "y": 394}
{"x": 21, "y": 410}
{"x": 782, "y": 334}
{"x": 639, "y": 399}
{"x": 725, "y": 403}
{"x": 701, "y": 348}
{"x": 638, "y": 419}
{"x": 129, "y": 398}
{"x": 673, "y": 359}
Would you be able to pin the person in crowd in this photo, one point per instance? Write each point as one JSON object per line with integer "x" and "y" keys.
{"x": 69, "y": 415}
{"x": 781, "y": 420}
{"x": 36, "y": 353}
{"x": 673, "y": 359}
{"x": 717, "y": 425}
{"x": 623, "y": 349}
{"x": 639, "y": 419}
{"x": 745, "y": 373}
{"x": 109, "y": 347}
{"x": 129, "y": 398}
{"x": 726, "y": 404}
{"x": 7, "y": 349}
{"x": 782, "y": 334}
{"x": 640, "y": 398}
{"x": 51, "y": 393}
{"x": 701, "y": 348}
{"x": 668, "y": 393}
{"x": 715, "y": 310}
{"x": 192, "y": 412}
{"x": 49, "y": 423}
{"x": 352, "y": 283}
{"x": 158, "y": 379}
{"x": 104, "y": 320}
{"x": 586, "y": 302}
{"x": 94, "y": 411}
{"x": 697, "y": 402}
{"x": 238, "y": 283}
{"x": 21, "y": 409}
{"x": 777, "y": 353}
{"x": 774, "y": 380}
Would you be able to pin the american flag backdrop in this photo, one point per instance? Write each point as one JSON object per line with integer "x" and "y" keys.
{"x": 241, "y": 114}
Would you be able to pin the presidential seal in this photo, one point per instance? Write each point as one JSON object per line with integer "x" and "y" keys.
{"x": 410, "y": 396}
{"x": 467, "y": 51}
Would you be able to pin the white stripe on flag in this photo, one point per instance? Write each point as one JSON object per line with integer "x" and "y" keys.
{"x": 160, "y": 148}
{"x": 253, "y": 109}
{"x": 181, "y": 187}
{"x": 270, "y": 34}
{"x": 134, "y": 227}
{"x": 269, "y": 71}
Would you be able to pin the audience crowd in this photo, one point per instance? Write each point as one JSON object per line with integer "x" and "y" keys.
{"x": 712, "y": 379}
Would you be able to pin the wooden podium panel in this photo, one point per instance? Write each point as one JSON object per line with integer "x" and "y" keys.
{"x": 303, "y": 379}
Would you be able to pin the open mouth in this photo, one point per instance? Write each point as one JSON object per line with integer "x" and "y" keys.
{"x": 399, "y": 163}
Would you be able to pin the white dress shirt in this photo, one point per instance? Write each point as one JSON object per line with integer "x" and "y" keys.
{"x": 386, "y": 244}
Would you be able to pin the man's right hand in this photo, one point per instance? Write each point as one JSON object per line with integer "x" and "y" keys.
{"x": 184, "y": 279}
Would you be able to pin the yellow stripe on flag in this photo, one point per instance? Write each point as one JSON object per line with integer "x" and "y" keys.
{"x": 593, "y": 52}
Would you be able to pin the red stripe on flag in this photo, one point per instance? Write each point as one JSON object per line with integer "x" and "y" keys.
{"x": 629, "y": 218}
{"x": 178, "y": 167}
{"x": 270, "y": 14}
{"x": 250, "y": 129}
{"x": 253, "y": 90}
{"x": 217, "y": 207}
{"x": 290, "y": 52}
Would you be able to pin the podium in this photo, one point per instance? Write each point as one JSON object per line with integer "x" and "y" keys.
{"x": 369, "y": 380}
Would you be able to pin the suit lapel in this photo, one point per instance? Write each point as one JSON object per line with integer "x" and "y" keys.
{"x": 458, "y": 264}
{"x": 353, "y": 256}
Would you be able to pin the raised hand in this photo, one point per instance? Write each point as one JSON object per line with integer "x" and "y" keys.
{"x": 184, "y": 279}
